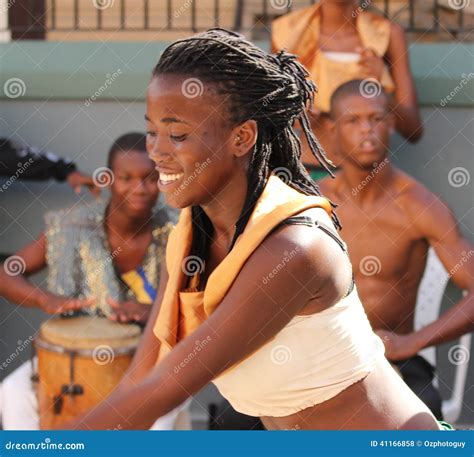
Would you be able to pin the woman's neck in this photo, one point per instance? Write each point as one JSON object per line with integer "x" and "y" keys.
{"x": 125, "y": 225}
{"x": 225, "y": 208}
{"x": 338, "y": 15}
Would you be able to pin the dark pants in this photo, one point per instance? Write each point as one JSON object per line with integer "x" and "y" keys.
{"x": 224, "y": 417}
{"x": 418, "y": 374}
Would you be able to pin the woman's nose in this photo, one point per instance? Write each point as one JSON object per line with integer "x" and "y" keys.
{"x": 156, "y": 152}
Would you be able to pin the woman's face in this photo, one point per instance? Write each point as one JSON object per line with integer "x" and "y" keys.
{"x": 189, "y": 139}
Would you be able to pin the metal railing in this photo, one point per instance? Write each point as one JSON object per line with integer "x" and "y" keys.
{"x": 32, "y": 17}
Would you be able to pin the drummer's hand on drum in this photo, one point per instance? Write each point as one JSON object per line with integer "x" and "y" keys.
{"x": 56, "y": 304}
{"x": 129, "y": 311}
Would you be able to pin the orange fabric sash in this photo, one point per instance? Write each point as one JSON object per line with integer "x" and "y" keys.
{"x": 277, "y": 202}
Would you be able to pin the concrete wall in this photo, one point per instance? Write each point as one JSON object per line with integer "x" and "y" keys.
{"x": 56, "y": 112}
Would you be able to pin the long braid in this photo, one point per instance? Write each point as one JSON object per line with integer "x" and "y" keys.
{"x": 273, "y": 90}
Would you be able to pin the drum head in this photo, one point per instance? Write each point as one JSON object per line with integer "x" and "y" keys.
{"x": 87, "y": 332}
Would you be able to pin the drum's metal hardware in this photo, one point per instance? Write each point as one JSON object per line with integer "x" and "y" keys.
{"x": 34, "y": 372}
{"x": 71, "y": 389}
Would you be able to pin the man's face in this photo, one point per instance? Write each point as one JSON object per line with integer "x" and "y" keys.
{"x": 362, "y": 128}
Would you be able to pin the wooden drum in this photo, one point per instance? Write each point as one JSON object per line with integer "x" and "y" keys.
{"x": 80, "y": 361}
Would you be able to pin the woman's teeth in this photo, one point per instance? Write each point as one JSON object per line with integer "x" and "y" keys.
{"x": 164, "y": 177}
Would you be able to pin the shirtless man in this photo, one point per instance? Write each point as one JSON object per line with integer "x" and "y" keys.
{"x": 389, "y": 221}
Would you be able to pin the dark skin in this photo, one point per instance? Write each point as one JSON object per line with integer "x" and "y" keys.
{"x": 339, "y": 34}
{"x": 395, "y": 219}
{"x": 78, "y": 180}
{"x": 127, "y": 224}
{"x": 252, "y": 312}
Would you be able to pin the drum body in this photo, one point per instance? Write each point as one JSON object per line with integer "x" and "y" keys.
{"x": 80, "y": 361}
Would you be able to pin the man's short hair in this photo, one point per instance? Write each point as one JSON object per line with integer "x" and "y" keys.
{"x": 133, "y": 141}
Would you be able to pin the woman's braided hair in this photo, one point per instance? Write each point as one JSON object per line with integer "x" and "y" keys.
{"x": 273, "y": 90}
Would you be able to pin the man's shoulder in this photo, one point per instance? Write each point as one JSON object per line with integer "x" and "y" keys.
{"x": 420, "y": 204}
{"x": 412, "y": 192}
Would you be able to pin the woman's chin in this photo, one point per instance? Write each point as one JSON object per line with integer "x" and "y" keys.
{"x": 176, "y": 201}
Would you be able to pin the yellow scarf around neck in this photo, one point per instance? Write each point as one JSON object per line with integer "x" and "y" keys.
{"x": 277, "y": 202}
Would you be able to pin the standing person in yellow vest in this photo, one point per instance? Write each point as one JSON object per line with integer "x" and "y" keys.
{"x": 339, "y": 41}
{"x": 257, "y": 295}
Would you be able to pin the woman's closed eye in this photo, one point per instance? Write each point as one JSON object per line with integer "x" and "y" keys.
{"x": 178, "y": 138}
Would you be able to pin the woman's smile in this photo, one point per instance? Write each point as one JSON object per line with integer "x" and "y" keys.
{"x": 168, "y": 181}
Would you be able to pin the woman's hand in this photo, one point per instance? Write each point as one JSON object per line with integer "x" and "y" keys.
{"x": 56, "y": 304}
{"x": 129, "y": 311}
{"x": 371, "y": 64}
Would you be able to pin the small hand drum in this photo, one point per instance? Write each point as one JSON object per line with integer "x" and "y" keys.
{"x": 80, "y": 361}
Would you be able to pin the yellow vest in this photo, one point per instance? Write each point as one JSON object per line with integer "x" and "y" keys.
{"x": 298, "y": 32}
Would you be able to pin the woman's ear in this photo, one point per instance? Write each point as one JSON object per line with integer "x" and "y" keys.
{"x": 244, "y": 137}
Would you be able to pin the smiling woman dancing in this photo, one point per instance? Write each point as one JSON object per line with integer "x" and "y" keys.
{"x": 257, "y": 295}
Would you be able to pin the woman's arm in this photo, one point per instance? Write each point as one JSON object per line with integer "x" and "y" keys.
{"x": 147, "y": 353}
{"x": 405, "y": 106}
{"x": 15, "y": 286}
{"x": 252, "y": 312}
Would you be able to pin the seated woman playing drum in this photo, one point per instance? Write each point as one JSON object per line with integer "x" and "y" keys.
{"x": 257, "y": 296}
